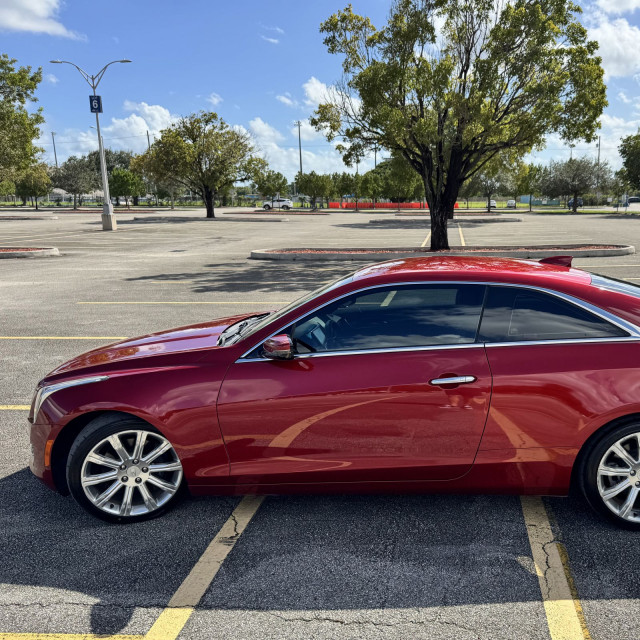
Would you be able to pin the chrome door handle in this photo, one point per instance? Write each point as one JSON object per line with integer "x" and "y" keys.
{"x": 454, "y": 380}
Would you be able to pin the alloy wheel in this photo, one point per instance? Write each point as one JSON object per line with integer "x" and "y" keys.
{"x": 131, "y": 473}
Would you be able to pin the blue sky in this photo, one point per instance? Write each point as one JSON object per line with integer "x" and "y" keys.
{"x": 259, "y": 64}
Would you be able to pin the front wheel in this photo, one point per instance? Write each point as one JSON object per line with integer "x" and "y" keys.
{"x": 611, "y": 476}
{"x": 123, "y": 470}
{"x": 285, "y": 207}
{"x": 266, "y": 207}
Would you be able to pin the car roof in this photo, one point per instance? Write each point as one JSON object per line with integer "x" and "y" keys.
{"x": 472, "y": 268}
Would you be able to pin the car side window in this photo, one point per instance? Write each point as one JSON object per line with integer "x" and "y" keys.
{"x": 513, "y": 314}
{"x": 393, "y": 317}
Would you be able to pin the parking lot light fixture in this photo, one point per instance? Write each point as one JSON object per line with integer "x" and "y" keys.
{"x": 108, "y": 217}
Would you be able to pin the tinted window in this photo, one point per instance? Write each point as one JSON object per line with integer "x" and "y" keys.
{"x": 512, "y": 315}
{"x": 388, "y": 317}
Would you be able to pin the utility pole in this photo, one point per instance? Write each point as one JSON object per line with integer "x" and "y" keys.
{"x": 148, "y": 141}
{"x": 55, "y": 155}
{"x": 375, "y": 156}
{"x": 598, "y": 175}
{"x": 297, "y": 122}
{"x": 109, "y": 222}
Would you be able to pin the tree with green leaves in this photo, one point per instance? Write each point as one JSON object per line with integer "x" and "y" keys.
{"x": 372, "y": 185}
{"x": 19, "y": 125}
{"x": 202, "y": 153}
{"x": 271, "y": 183}
{"x": 113, "y": 159}
{"x": 127, "y": 184}
{"x": 7, "y": 188}
{"x": 619, "y": 185}
{"x": 76, "y": 176}
{"x": 315, "y": 185}
{"x": 450, "y": 84}
{"x": 33, "y": 182}
{"x": 630, "y": 151}
{"x": 529, "y": 181}
{"x": 573, "y": 177}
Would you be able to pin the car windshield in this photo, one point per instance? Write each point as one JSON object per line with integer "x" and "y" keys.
{"x": 263, "y": 321}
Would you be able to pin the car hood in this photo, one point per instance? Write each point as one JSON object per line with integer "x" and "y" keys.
{"x": 186, "y": 339}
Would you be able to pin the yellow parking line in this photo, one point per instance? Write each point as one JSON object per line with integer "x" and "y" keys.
{"x": 462, "y": 242}
{"x": 426, "y": 240}
{"x": 231, "y": 302}
{"x": 560, "y": 599}
{"x": 63, "y": 338}
{"x": 172, "y": 620}
{"x": 14, "y": 407}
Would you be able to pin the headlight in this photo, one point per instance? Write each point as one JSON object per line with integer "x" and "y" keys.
{"x": 42, "y": 393}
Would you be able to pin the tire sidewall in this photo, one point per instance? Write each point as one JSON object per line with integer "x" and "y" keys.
{"x": 93, "y": 433}
{"x": 589, "y": 470}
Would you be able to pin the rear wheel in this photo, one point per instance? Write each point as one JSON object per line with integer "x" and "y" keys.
{"x": 123, "y": 470}
{"x": 611, "y": 476}
{"x": 266, "y": 207}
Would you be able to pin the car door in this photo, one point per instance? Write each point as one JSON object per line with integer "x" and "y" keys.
{"x": 371, "y": 395}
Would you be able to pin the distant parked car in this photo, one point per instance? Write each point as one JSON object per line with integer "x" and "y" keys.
{"x": 492, "y": 204}
{"x": 511, "y": 204}
{"x": 277, "y": 203}
{"x": 631, "y": 199}
{"x": 570, "y": 203}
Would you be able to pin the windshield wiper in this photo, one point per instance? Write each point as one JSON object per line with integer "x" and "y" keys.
{"x": 238, "y": 328}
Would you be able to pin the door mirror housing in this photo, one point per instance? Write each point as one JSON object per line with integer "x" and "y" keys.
{"x": 278, "y": 348}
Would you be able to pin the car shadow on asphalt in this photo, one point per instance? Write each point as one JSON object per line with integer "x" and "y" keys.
{"x": 49, "y": 541}
{"x": 377, "y": 225}
{"x": 257, "y": 276}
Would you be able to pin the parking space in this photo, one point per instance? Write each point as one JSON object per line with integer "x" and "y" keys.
{"x": 391, "y": 566}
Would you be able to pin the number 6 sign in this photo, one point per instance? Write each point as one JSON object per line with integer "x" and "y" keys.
{"x": 96, "y": 104}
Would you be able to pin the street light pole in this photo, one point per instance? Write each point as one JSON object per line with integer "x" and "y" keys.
{"x": 109, "y": 222}
{"x": 55, "y": 155}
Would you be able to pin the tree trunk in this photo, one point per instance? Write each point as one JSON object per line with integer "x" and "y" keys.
{"x": 208, "y": 202}
{"x": 173, "y": 206}
{"x": 439, "y": 216}
{"x": 36, "y": 203}
{"x": 75, "y": 201}
{"x": 530, "y": 202}
{"x": 575, "y": 203}
{"x": 135, "y": 201}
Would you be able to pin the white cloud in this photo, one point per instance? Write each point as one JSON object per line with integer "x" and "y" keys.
{"x": 51, "y": 79}
{"x": 276, "y": 29}
{"x": 128, "y": 133}
{"x": 618, "y": 6}
{"x": 214, "y": 99}
{"x": 286, "y": 99}
{"x": 35, "y": 16}
{"x": 315, "y": 91}
{"x": 618, "y": 41}
{"x": 623, "y": 97}
{"x": 271, "y": 40}
{"x": 265, "y": 133}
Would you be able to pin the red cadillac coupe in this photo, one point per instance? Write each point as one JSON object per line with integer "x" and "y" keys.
{"x": 436, "y": 374}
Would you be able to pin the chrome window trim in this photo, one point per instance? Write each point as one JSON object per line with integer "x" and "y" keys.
{"x": 633, "y": 330}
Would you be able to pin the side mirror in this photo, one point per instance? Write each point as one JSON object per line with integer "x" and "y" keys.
{"x": 278, "y": 348}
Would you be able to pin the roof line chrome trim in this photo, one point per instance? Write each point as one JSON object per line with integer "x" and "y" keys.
{"x": 632, "y": 329}
{"x": 482, "y": 345}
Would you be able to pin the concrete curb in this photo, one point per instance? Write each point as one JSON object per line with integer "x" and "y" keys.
{"x": 460, "y": 220}
{"x": 380, "y": 254}
{"x": 14, "y": 218}
{"x": 43, "y": 252}
{"x": 236, "y": 219}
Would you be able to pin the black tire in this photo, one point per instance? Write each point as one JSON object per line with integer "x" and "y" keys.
{"x": 285, "y": 208}
{"x": 91, "y": 436}
{"x": 590, "y": 485}
{"x": 266, "y": 207}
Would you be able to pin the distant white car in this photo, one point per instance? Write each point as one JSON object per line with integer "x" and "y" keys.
{"x": 511, "y": 204}
{"x": 492, "y": 204}
{"x": 277, "y": 203}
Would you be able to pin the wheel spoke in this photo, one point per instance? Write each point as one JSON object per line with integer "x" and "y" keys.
{"x": 127, "y": 500}
{"x": 163, "y": 484}
{"x": 628, "y": 504}
{"x": 107, "y": 495}
{"x": 141, "y": 439}
{"x": 149, "y": 500}
{"x": 157, "y": 452}
{"x": 612, "y": 492}
{"x": 605, "y": 470}
{"x": 623, "y": 454}
{"x": 114, "y": 441}
{"x": 166, "y": 466}
{"x": 97, "y": 478}
{"x": 96, "y": 458}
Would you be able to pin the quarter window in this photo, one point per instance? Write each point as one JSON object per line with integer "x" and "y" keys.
{"x": 392, "y": 317}
{"x": 512, "y": 314}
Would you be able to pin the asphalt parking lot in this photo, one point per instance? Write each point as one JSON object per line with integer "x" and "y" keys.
{"x": 299, "y": 567}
